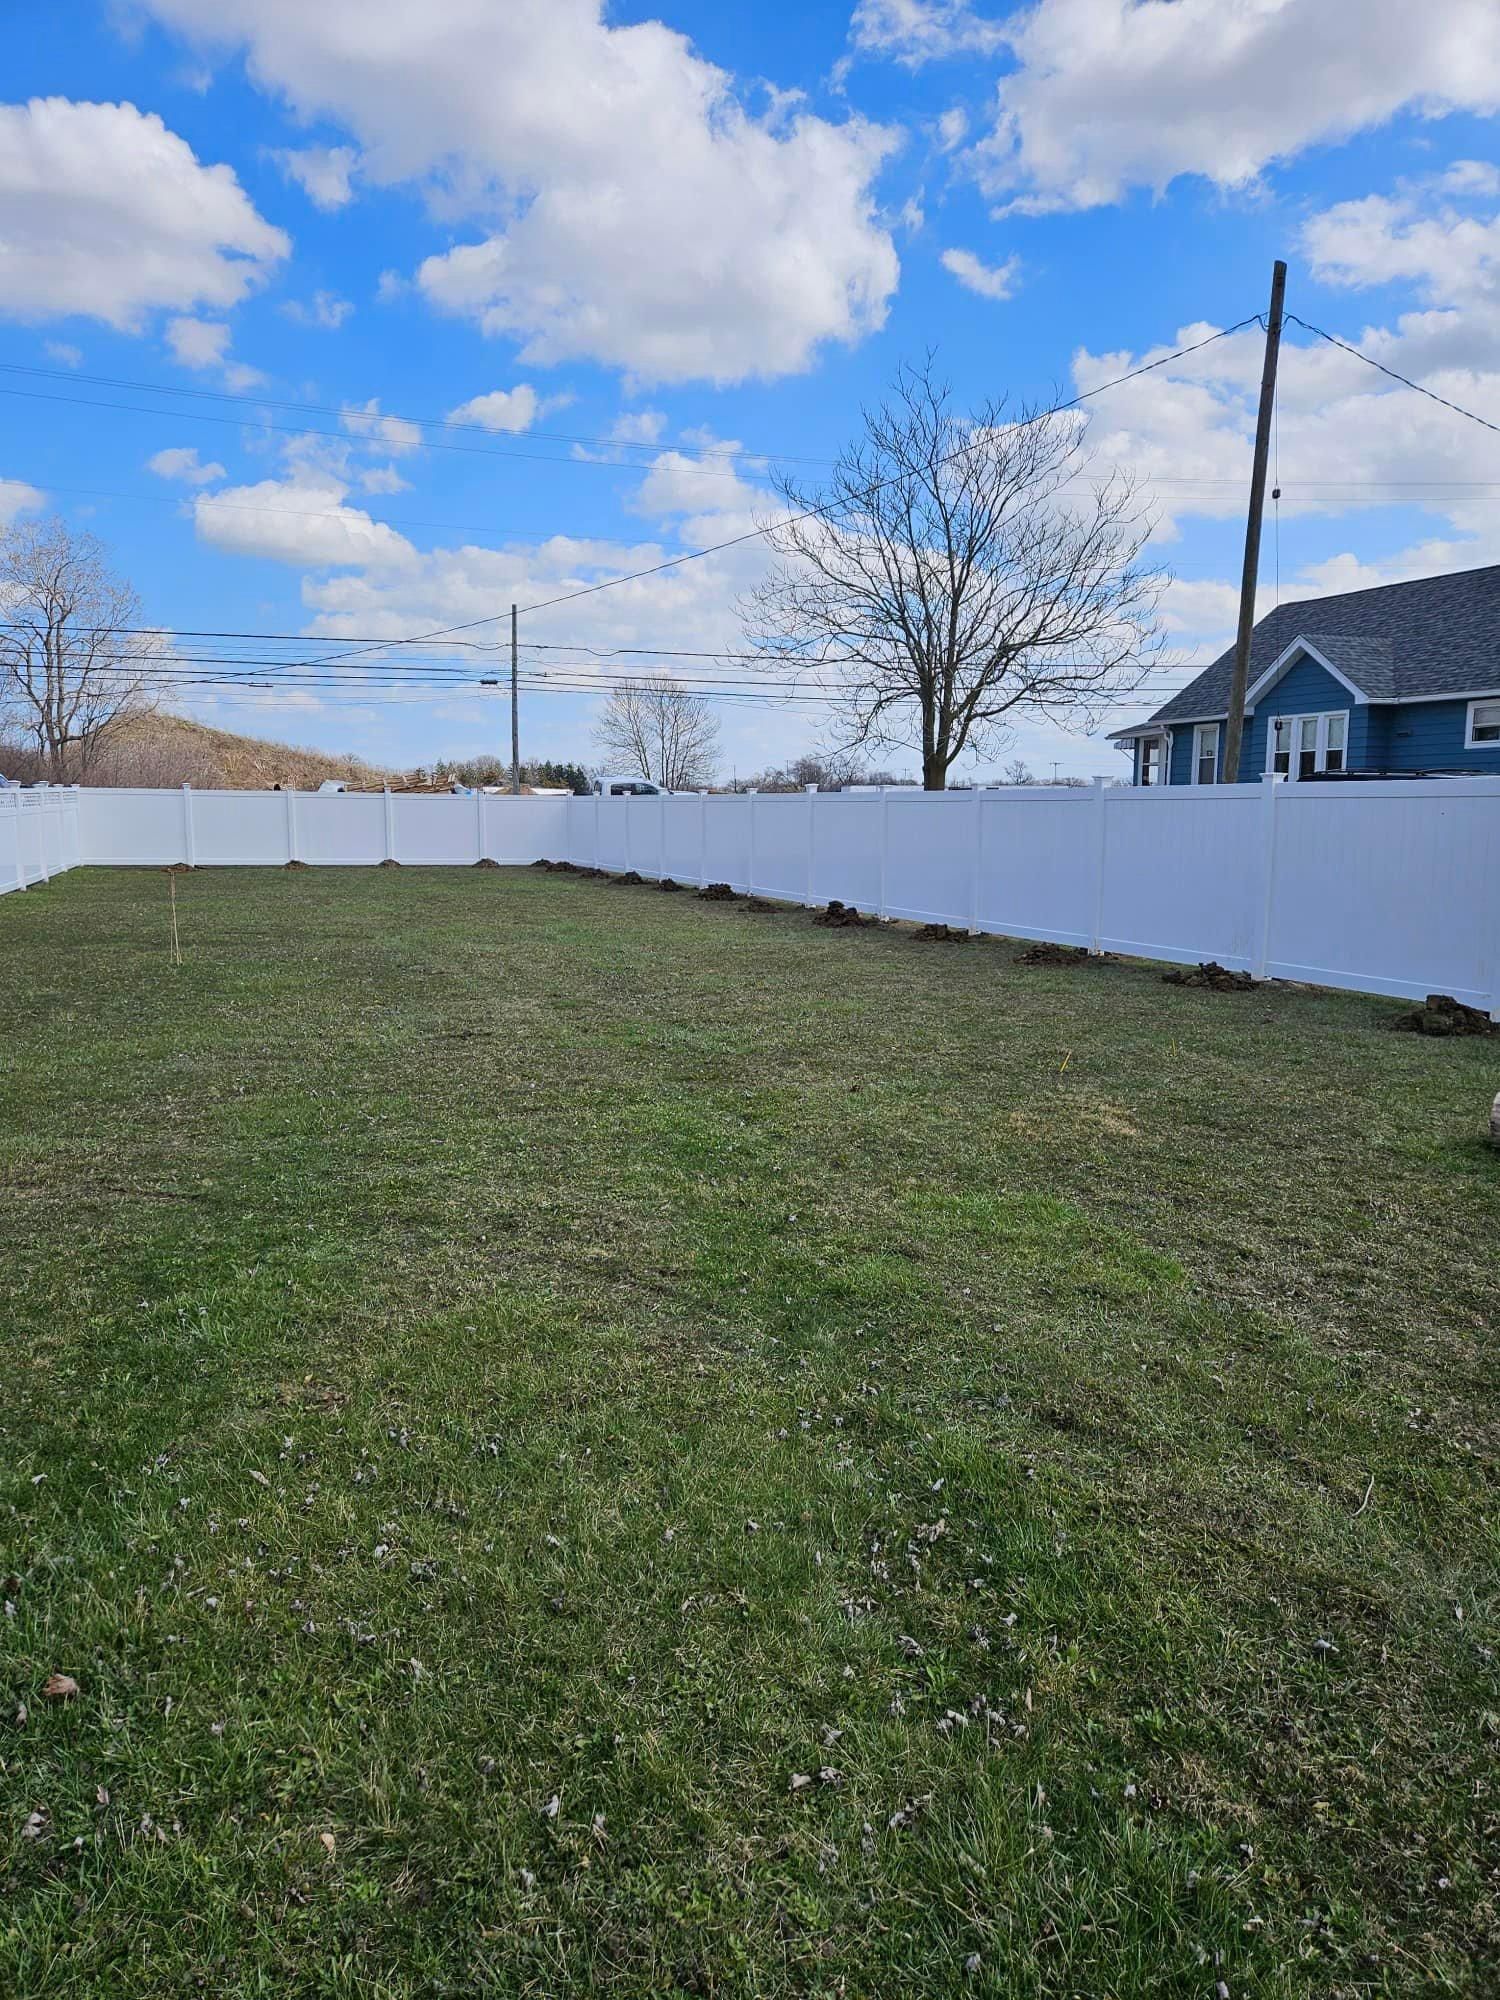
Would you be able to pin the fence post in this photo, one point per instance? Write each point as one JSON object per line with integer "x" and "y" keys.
{"x": 1269, "y": 782}
{"x": 478, "y": 824}
{"x": 1096, "y": 935}
{"x": 595, "y": 862}
{"x": 808, "y": 901}
{"x": 13, "y": 813}
{"x": 189, "y": 845}
{"x": 291, "y": 824}
{"x": 390, "y": 827}
{"x": 978, "y": 860}
{"x": 626, "y": 804}
{"x": 885, "y": 842}
{"x": 750, "y": 864}
{"x": 703, "y": 840}
{"x": 41, "y": 836}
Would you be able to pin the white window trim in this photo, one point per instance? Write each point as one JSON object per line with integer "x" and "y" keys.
{"x": 1198, "y": 729}
{"x": 1161, "y": 741}
{"x": 1479, "y": 701}
{"x": 1320, "y": 755}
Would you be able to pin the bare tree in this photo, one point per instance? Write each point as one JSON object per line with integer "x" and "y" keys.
{"x": 73, "y": 660}
{"x": 955, "y": 570}
{"x": 655, "y": 729}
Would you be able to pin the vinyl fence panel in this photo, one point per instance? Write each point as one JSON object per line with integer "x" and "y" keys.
{"x": 1390, "y": 887}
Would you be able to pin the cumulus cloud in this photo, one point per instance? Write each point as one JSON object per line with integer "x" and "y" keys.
{"x": 652, "y": 221}
{"x": 914, "y": 32}
{"x": 501, "y": 410}
{"x": 990, "y": 281}
{"x": 302, "y": 520}
{"x": 16, "y": 497}
{"x": 1112, "y": 94}
{"x": 181, "y": 461}
{"x": 204, "y": 344}
{"x": 325, "y": 174}
{"x": 104, "y": 212}
{"x": 64, "y": 353}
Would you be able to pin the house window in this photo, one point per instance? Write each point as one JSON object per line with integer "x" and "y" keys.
{"x": 1151, "y": 760}
{"x": 1303, "y": 745}
{"x": 1484, "y": 725}
{"x": 1206, "y": 753}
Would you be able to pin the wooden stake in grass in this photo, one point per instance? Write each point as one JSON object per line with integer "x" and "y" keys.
{"x": 176, "y": 953}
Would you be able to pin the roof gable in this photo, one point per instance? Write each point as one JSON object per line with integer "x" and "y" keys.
{"x": 1435, "y": 636}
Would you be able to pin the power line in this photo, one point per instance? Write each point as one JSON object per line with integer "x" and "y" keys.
{"x": 366, "y": 423}
{"x": 1405, "y": 380}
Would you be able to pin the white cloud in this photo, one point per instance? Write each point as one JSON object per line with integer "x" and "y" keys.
{"x": 325, "y": 311}
{"x": 914, "y": 32}
{"x": 990, "y": 281}
{"x": 198, "y": 343}
{"x": 397, "y": 435}
{"x": 952, "y": 127}
{"x": 16, "y": 497}
{"x": 325, "y": 174}
{"x": 105, "y": 212}
{"x": 501, "y": 410}
{"x": 1113, "y": 94}
{"x": 652, "y": 221}
{"x": 381, "y": 479}
{"x": 638, "y": 427}
{"x": 301, "y": 520}
{"x": 203, "y": 344}
{"x": 1450, "y": 259}
{"x": 181, "y": 461}
{"x": 64, "y": 353}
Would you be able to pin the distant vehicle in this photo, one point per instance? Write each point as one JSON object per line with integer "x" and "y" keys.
{"x": 333, "y": 785}
{"x": 629, "y": 788}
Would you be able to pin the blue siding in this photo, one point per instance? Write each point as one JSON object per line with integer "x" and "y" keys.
{"x": 1306, "y": 689}
{"x": 1429, "y": 735}
{"x": 1407, "y": 736}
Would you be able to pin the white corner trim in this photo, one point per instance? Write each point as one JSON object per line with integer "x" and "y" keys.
{"x": 1280, "y": 665}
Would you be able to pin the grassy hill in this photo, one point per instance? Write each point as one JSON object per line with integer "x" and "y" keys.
{"x": 163, "y": 749}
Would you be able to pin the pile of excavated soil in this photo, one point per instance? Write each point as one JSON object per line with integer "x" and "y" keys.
{"x": 486, "y": 862}
{"x": 389, "y": 862}
{"x": 1217, "y": 978}
{"x": 760, "y": 904}
{"x": 941, "y": 934}
{"x": 718, "y": 892}
{"x": 842, "y": 917}
{"x": 295, "y": 864}
{"x": 630, "y": 879}
{"x": 1043, "y": 953}
{"x": 667, "y": 884}
{"x": 1441, "y": 1014}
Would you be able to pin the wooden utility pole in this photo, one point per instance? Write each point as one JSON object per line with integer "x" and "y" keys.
{"x": 515, "y": 713}
{"x": 1234, "y": 727}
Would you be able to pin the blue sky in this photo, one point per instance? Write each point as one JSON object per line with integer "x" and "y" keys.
{"x": 634, "y": 253}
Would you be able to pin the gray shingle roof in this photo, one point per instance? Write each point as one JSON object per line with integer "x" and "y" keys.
{"x": 1436, "y": 636}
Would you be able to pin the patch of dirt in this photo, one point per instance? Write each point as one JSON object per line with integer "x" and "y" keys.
{"x": 391, "y": 862}
{"x": 1214, "y": 977}
{"x": 631, "y": 879}
{"x": 295, "y": 864}
{"x": 1043, "y": 953}
{"x": 1441, "y": 1014}
{"x": 592, "y": 874}
{"x": 843, "y": 917}
{"x": 179, "y": 868}
{"x": 940, "y": 934}
{"x": 667, "y": 885}
{"x": 717, "y": 892}
{"x": 486, "y": 862}
{"x": 760, "y": 905}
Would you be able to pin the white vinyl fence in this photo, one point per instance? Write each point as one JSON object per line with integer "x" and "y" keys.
{"x": 38, "y": 836}
{"x": 1389, "y": 887}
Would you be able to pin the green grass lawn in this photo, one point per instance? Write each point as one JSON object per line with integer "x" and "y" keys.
{"x": 577, "y": 1440}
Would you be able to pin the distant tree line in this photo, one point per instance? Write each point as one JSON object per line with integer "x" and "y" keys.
{"x": 481, "y": 771}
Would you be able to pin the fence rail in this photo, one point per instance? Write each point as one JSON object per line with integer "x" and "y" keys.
{"x": 1390, "y": 887}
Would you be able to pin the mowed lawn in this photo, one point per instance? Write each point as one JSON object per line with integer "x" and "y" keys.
{"x": 576, "y": 1440}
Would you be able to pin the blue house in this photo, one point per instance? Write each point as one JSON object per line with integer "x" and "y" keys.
{"x": 1393, "y": 681}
